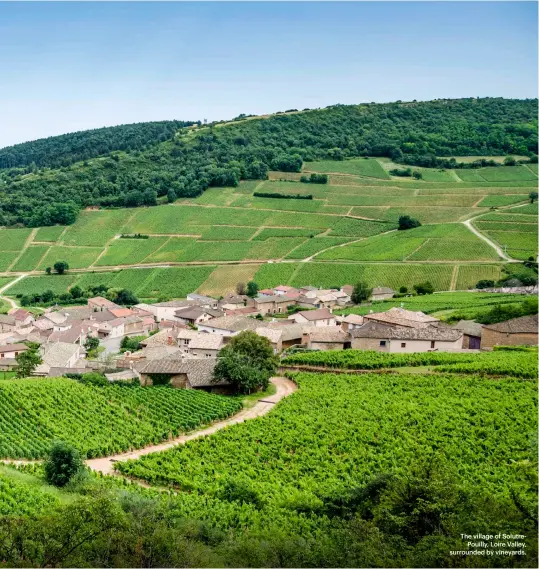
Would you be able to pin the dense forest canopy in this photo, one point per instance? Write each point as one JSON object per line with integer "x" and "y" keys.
{"x": 57, "y": 151}
{"x": 121, "y": 168}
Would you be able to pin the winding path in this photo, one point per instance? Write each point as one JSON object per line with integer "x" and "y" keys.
{"x": 468, "y": 224}
{"x": 5, "y": 287}
{"x": 284, "y": 386}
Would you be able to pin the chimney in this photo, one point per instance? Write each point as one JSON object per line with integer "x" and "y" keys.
{"x": 170, "y": 340}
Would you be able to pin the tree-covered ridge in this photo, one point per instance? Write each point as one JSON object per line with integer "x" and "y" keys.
{"x": 460, "y": 127}
{"x": 63, "y": 150}
{"x": 186, "y": 164}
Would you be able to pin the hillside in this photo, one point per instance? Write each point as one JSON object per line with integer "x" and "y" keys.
{"x": 141, "y": 169}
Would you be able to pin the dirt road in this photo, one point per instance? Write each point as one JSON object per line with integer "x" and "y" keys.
{"x": 284, "y": 386}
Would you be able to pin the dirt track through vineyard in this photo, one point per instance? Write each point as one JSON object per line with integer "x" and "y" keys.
{"x": 284, "y": 386}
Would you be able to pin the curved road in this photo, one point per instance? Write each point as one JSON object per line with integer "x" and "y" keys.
{"x": 468, "y": 224}
{"x": 285, "y": 387}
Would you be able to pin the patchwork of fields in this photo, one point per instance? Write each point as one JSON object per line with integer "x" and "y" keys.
{"x": 348, "y": 228}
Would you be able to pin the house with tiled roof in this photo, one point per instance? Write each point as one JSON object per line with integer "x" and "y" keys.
{"x": 319, "y": 317}
{"x": 99, "y": 303}
{"x": 326, "y": 338}
{"x": 382, "y": 293}
{"x": 515, "y": 332}
{"x": 405, "y": 339}
{"x": 401, "y": 317}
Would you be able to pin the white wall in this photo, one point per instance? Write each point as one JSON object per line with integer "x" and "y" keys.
{"x": 422, "y": 346}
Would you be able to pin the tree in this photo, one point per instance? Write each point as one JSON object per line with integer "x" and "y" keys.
{"x": 533, "y": 196}
{"x": 241, "y": 289}
{"x": 61, "y": 267}
{"x": 403, "y": 289}
{"x": 48, "y": 270}
{"x": 247, "y": 362}
{"x": 171, "y": 196}
{"x": 424, "y": 288}
{"x": 63, "y": 463}
{"x": 510, "y": 161}
{"x": 125, "y": 298}
{"x": 407, "y": 222}
{"x": 91, "y": 344}
{"x": 28, "y": 360}
{"x": 75, "y": 291}
{"x": 361, "y": 292}
{"x": 252, "y": 289}
{"x": 485, "y": 283}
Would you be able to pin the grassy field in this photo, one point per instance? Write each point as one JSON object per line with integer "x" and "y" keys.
{"x": 225, "y": 278}
{"x": 359, "y": 166}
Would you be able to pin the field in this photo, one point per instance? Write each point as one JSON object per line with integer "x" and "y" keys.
{"x": 338, "y": 431}
{"x": 224, "y": 279}
{"x": 98, "y": 420}
{"x": 513, "y": 363}
{"x": 350, "y": 220}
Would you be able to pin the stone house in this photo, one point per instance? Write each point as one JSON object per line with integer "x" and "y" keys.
{"x": 205, "y": 345}
{"x": 11, "y": 351}
{"x": 59, "y": 355}
{"x": 195, "y": 315}
{"x": 350, "y": 322}
{"x": 319, "y": 317}
{"x": 22, "y": 317}
{"x": 382, "y": 293}
{"x": 276, "y": 304}
{"x": 326, "y": 338}
{"x": 472, "y": 332}
{"x": 229, "y": 326}
{"x": 99, "y": 303}
{"x": 183, "y": 373}
{"x": 7, "y": 323}
{"x": 401, "y": 317}
{"x": 204, "y": 301}
{"x": 516, "y": 332}
{"x": 405, "y": 339}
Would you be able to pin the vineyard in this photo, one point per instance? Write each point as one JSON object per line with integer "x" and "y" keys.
{"x": 98, "y": 420}
{"x": 339, "y": 430}
{"x": 514, "y": 363}
{"x": 19, "y": 499}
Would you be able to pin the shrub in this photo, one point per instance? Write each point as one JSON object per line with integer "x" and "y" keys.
{"x": 63, "y": 463}
{"x": 407, "y": 222}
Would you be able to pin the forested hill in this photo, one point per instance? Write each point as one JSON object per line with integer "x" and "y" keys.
{"x": 134, "y": 168}
{"x": 66, "y": 149}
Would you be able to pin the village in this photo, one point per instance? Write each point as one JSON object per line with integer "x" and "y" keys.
{"x": 181, "y": 339}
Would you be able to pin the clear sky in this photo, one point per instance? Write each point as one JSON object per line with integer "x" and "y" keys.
{"x": 72, "y": 66}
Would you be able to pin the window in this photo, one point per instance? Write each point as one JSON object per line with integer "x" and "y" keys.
{"x": 382, "y": 342}
{"x": 185, "y": 342}
{"x": 403, "y": 344}
{"x": 432, "y": 343}
{"x": 208, "y": 355}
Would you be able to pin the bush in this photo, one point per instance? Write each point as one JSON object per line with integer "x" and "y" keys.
{"x": 484, "y": 284}
{"x": 283, "y": 196}
{"x": 424, "y": 288}
{"x": 62, "y": 465}
{"x": 407, "y": 222}
{"x": 314, "y": 179}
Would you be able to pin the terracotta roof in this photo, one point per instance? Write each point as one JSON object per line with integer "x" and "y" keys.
{"x": 104, "y": 302}
{"x": 320, "y": 314}
{"x": 121, "y": 312}
{"x": 522, "y": 325}
{"x": 380, "y": 331}
{"x": 13, "y": 348}
{"x": 402, "y": 317}
{"x": 20, "y": 314}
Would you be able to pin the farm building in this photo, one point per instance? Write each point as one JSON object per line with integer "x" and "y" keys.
{"x": 516, "y": 332}
{"x": 273, "y": 304}
{"x": 472, "y": 333}
{"x": 401, "y": 317}
{"x": 11, "y": 351}
{"x": 405, "y": 339}
{"x": 326, "y": 338}
{"x": 196, "y": 314}
{"x": 350, "y": 322}
{"x": 98, "y": 304}
{"x": 183, "y": 373}
{"x": 382, "y": 293}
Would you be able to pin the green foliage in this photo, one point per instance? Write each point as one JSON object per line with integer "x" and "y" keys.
{"x": 131, "y": 343}
{"x": 407, "y": 222}
{"x": 99, "y": 420}
{"x": 484, "y": 283}
{"x": 61, "y": 267}
{"x": 92, "y": 343}
{"x": 125, "y": 297}
{"x": 252, "y": 289}
{"x": 156, "y": 158}
{"x": 532, "y": 196}
{"x": 424, "y": 288}
{"x": 361, "y": 292}
{"x": 523, "y": 363}
{"x": 62, "y": 465}
{"x": 247, "y": 362}
{"x": 315, "y": 179}
{"x": 501, "y": 313}
{"x": 283, "y": 196}
{"x": 28, "y": 360}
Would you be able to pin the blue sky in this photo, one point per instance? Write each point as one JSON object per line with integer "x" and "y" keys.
{"x": 72, "y": 66}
